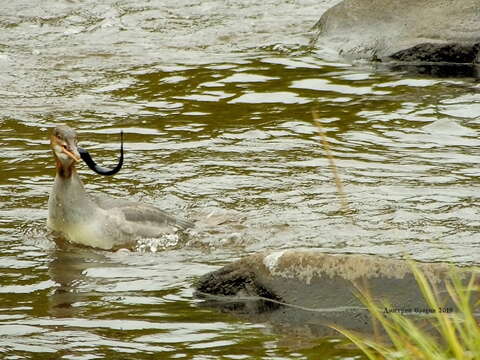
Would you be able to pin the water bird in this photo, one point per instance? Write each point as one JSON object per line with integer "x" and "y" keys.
{"x": 97, "y": 220}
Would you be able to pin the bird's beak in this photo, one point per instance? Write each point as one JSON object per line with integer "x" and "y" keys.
{"x": 74, "y": 155}
{"x": 71, "y": 154}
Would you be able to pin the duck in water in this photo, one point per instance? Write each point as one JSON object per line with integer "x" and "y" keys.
{"x": 97, "y": 220}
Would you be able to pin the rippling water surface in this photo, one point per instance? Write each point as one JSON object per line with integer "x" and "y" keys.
{"x": 216, "y": 101}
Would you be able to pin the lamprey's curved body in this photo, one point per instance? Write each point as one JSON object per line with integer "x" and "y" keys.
{"x": 93, "y": 220}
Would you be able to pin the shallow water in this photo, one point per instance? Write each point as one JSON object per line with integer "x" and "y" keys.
{"x": 215, "y": 99}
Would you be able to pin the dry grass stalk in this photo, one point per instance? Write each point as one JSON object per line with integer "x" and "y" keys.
{"x": 331, "y": 160}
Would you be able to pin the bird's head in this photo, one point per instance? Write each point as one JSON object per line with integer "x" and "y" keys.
{"x": 64, "y": 145}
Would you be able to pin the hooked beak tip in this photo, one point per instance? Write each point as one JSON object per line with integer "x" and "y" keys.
{"x": 72, "y": 155}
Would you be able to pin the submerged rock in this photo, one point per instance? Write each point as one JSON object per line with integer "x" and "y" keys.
{"x": 311, "y": 289}
{"x": 409, "y": 30}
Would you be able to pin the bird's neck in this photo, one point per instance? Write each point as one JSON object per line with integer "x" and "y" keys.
{"x": 68, "y": 187}
{"x": 65, "y": 172}
{"x": 68, "y": 204}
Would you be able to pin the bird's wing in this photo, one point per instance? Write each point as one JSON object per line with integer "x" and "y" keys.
{"x": 139, "y": 213}
{"x": 107, "y": 202}
{"x": 149, "y": 214}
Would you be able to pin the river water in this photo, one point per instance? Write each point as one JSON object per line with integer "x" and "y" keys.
{"x": 215, "y": 99}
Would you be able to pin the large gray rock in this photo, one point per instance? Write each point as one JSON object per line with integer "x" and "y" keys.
{"x": 408, "y": 30}
{"x": 310, "y": 289}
